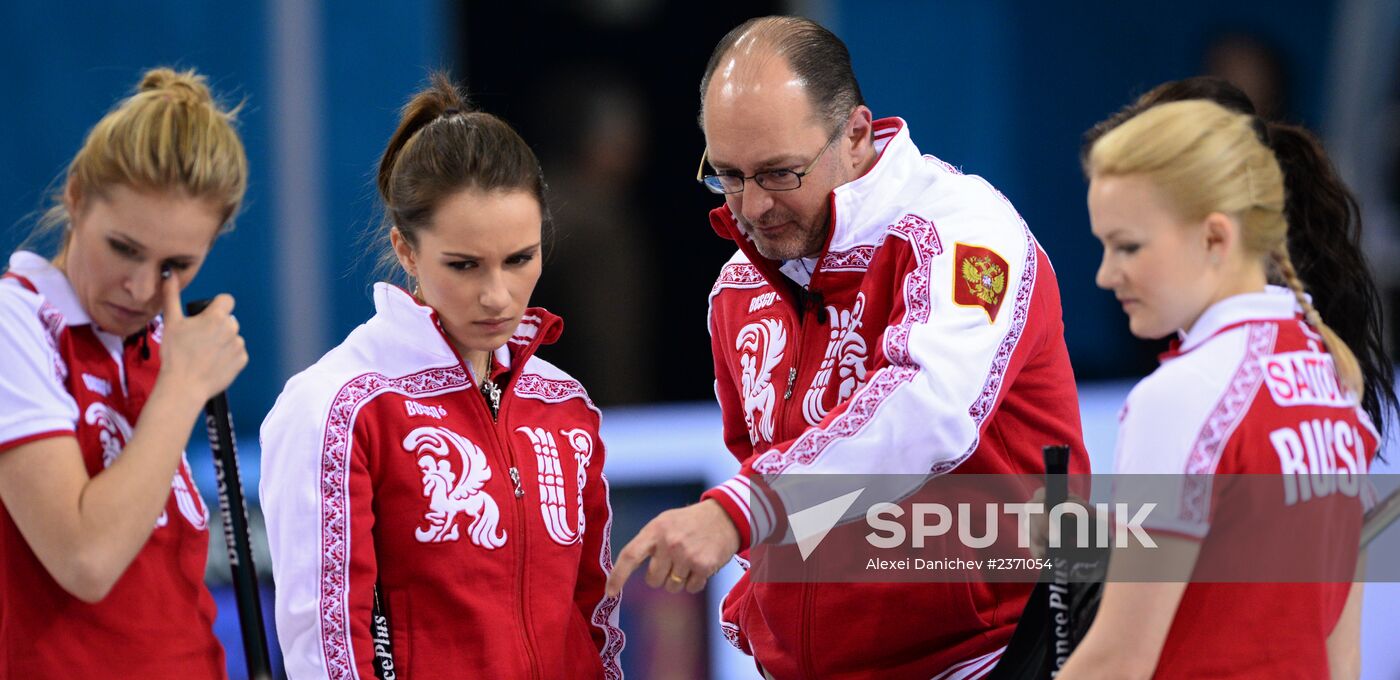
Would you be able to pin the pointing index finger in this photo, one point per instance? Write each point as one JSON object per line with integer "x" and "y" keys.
{"x": 627, "y": 562}
{"x": 170, "y": 292}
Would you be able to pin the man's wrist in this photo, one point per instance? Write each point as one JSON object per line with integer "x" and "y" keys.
{"x": 730, "y": 505}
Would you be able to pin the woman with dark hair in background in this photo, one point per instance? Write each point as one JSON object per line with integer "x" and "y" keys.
{"x": 433, "y": 491}
{"x": 1331, "y": 255}
{"x": 1188, "y": 199}
{"x": 103, "y": 537}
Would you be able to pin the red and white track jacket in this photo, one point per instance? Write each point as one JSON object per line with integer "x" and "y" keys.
{"x": 64, "y": 377}
{"x": 1251, "y": 390}
{"x": 928, "y": 340}
{"x": 489, "y": 537}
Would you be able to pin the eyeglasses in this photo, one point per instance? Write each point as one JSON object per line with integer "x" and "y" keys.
{"x": 772, "y": 180}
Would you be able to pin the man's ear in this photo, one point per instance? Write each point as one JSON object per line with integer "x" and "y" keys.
{"x": 860, "y": 134}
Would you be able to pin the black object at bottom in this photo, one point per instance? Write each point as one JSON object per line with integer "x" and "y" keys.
{"x": 383, "y": 642}
{"x": 234, "y": 512}
{"x": 1062, "y": 605}
{"x": 1026, "y": 656}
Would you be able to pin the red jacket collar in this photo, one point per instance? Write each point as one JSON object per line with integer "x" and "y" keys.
{"x": 538, "y": 327}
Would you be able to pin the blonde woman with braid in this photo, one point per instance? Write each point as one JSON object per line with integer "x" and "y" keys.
{"x": 1188, "y": 199}
{"x": 103, "y": 537}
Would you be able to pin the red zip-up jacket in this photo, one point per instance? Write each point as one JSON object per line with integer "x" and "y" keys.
{"x": 925, "y": 339}
{"x": 488, "y": 536}
{"x": 65, "y": 377}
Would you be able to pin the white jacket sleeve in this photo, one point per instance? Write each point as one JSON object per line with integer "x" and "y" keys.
{"x": 947, "y": 364}
{"x": 315, "y": 494}
{"x": 33, "y": 400}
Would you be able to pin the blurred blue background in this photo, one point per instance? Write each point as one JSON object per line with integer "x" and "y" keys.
{"x": 606, "y": 90}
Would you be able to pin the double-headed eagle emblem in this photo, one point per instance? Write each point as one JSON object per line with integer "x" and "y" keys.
{"x": 983, "y": 273}
{"x": 985, "y": 279}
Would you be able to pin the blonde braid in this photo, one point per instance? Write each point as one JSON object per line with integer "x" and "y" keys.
{"x": 1348, "y": 368}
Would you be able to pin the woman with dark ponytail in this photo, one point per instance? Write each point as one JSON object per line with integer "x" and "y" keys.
{"x": 433, "y": 491}
{"x": 1188, "y": 198}
{"x": 1324, "y": 246}
{"x": 1324, "y": 235}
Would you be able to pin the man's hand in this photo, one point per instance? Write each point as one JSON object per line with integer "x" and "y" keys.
{"x": 686, "y": 546}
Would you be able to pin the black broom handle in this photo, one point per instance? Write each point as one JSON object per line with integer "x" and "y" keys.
{"x": 234, "y": 511}
{"x": 1060, "y": 624}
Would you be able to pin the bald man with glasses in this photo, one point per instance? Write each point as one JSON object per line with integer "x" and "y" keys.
{"x": 884, "y": 314}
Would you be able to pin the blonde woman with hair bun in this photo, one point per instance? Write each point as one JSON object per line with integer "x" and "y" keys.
{"x": 103, "y": 536}
{"x": 1194, "y": 210}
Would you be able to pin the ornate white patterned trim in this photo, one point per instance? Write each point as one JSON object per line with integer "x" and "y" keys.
{"x": 333, "y": 605}
{"x": 1222, "y": 421}
{"x": 923, "y": 239}
{"x": 549, "y": 390}
{"x": 54, "y": 325}
{"x": 605, "y": 614}
{"x": 856, "y": 259}
{"x": 982, "y": 407}
{"x": 52, "y": 319}
{"x": 731, "y": 633}
{"x": 738, "y": 276}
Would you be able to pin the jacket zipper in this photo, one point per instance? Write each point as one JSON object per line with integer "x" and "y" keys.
{"x": 791, "y": 379}
{"x": 492, "y": 394}
{"x": 804, "y": 302}
{"x": 492, "y": 398}
{"x": 492, "y": 402}
{"x": 805, "y": 611}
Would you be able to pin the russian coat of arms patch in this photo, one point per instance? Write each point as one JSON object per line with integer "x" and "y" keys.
{"x": 979, "y": 279}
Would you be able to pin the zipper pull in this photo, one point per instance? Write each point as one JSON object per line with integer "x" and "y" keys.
{"x": 515, "y": 478}
{"x": 792, "y": 378}
{"x": 492, "y": 393}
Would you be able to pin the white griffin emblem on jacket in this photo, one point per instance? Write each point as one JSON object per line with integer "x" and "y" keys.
{"x": 114, "y": 432}
{"x": 761, "y": 346}
{"x": 846, "y": 353}
{"x": 554, "y": 509}
{"x": 448, "y": 498}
